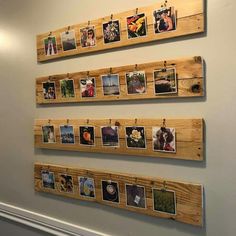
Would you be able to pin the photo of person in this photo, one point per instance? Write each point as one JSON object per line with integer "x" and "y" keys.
{"x": 87, "y": 87}
{"x": 135, "y": 196}
{"x": 111, "y": 31}
{"x": 87, "y": 136}
{"x": 66, "y": 183}
{"x": 48, "y": 180}
{"x": 164, "y": 20}
{"x": 110, "y": 84}
{"x": 136, "y": 82}
{"x": 135, "y": 137}
{"x": 136, "y": 26}
{"x": 67, "y": 134}
{"x": 68, "y": 40}
{"x": 48, "y": 134}
{"x": 50, "y": 46}
{"x": 67, "y": 88}
{"x": 110, "y": 136}
{"x": 164, "y": 201}
{"x": 163, "y": 139}
{"x": 88, "y": 37}
{"x": 86, "y": 187}
{"x": 49, "y": 90}
{"x": 165, "y": 81}
{"x": 110, "y": 191}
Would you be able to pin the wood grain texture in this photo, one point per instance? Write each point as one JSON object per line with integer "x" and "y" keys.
{"x": 189, "y": 202}
{"x": 189, "y": 137}
{"x": 189, "y": 73}
{"x": 190, "y": 20}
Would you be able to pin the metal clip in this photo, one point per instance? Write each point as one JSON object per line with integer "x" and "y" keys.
{"x": 136, "y": 11}
{"x": 68, "y": 29}
{"x": 164, "y": 187}
{"x": 111, "y": 17}
{"x": 164, "y": 123}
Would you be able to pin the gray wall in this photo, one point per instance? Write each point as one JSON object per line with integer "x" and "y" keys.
{"x": 20, "y": 21}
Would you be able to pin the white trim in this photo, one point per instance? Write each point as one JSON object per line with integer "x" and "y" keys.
{"x": 44, "y": 223}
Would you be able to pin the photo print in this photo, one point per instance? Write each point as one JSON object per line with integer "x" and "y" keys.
{"x": 136, "y": 26}
{"x": 68, "y": 40}
{"x": 67, "y": 88}
{"x": 164, "y": 20}
{"x": 67, "y": 134}
{"x": 111, "y": 31}
{"x": 48, "y": 134}
{"x": 66, "y": 183}
{"x": 110, "y": 84}
{"x": 88, "y": 87}
{"x": 164, "y": 201}
{"x": 87, "y": 135}
{"x": 135, "y": 196}
{"x": 163, "y": 139}
{"x": 110, "y": 191}
{"x": 165, "y": 81}
{"x": 88, "y": 37}
{"x": 48, "y": 180}
{"x": 49, "y": 90}
{"x": 50, "y": 46}
{"x": 136, "y": 82}
{"x": 110, "y": 136}
{"x": 86, "y": 187}
{"x": 135, "y": 137}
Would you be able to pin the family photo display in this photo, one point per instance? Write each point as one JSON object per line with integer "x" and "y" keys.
{"x": 164, "y": 83}
{"x": 163, "y": 138}
{"x": 164, "y": 201}
{"x": 164, "y": 20}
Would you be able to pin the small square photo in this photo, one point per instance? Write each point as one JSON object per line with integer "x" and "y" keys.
{"x": 87, "y": 136}
{"x": 86, "y": 187}
{"x": 164, "y": 20}
{"x": 50, "y": 46}
{"x": 110, "y": 191}
{"x": 165, "y": 81}
{"x": 66, "y": 183}
{"x": 163, "y": 139}
{"x": 67, "y": 88}
{"x": 49, "y": 90}
{"x": 110, "y": 136}
{"x": 87, "y": 87}
{"x": 111, "y": 85}
{"x": 88, "y": 37}
{"x": 135, "y": 137}
{"x": 67, "y": 134}
{"x": 48, "y": 180}
{"x": 68, "y": 40}
{"x": 48, "y": 134}
{"x": 135, "y": 196}
{"x": 136, "y": 26}
{"x": 164, "y": 201}
{"x": 136, "y": 82}
{"x": 111, "y": 31}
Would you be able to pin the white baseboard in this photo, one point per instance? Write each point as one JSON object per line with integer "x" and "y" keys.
{"x": 44, "y": 223}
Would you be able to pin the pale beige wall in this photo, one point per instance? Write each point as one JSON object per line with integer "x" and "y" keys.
{"x": 21, "y": 20}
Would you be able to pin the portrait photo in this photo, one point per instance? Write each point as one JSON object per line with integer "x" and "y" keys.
{"x": 66, "y": 183}
{"x": 67, "y": 88}
{"x": 110, "y": 84}
{"x": 110, "y": 136}
{"x": 135, "y": 137}
{"x": 48, "y": 134}
{"x": 48, "y": 180}
{"x": 67, "y": 134}
{"x": 86, "y": 187}
{"x": 110, "y": 191}
{"x": 164, "y": 20}
{"x": 135, "y": 196}
{"x": 165, "y": 81}
{"x": 136, "y": 82}
{"x": 88, "y": 37}
{"x": 88, "y": 87}
{"x": 87, "y": 135}
{"x": 111, "y": 31}
{"x": 68, "y": 40}
{"x": 163, "y": 139}
{"x": 50, "y": 46}
{"x": 49, "y": 91}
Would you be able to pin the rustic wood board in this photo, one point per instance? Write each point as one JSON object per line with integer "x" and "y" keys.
{"x": 189, "y": 202}
{"x": 189, "y": 137}
{"x": 189, "y": 17}
{"x": 189, "y": 75}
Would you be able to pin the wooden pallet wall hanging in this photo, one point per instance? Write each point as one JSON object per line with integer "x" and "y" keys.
{"x": 157, "y": 80}
{"x": 139, "y": 25}
{"x": 179, "y": 201}
{"x": 165, "y": 138}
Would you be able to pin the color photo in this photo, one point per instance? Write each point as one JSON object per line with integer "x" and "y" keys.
{"x": 110, "y": 191}
{"x": 48, "y": 134}
{"x": 111, "y": 31}
{"x": 86, "y": 135}
{"x": 50, "y": 46}
{"x": 66, "y": 183}
{"x": 49, "y": 90}
{"x": 88, "y": 37}
{"x": 111, "y": 85}
{"x": 136, "y": 82}
{"x": 67, "y": 88}
{"x": 110, "y": 136}
{"x": 86, "y": 187}
{"x": 67, "y": 134}
{"x": 48, "y": 179}
{"x": 135, "y": 137}
{"x": 87, "y": 87}
{"x": 135, "y": 196}
{"x": 68, "y": 40}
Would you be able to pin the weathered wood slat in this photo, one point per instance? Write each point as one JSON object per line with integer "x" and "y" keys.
{"x": 188, "y": 195}
{"x": 189, "y": 137}
{"x": 190, "y": 20}
{"x": 189, "y": 73}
